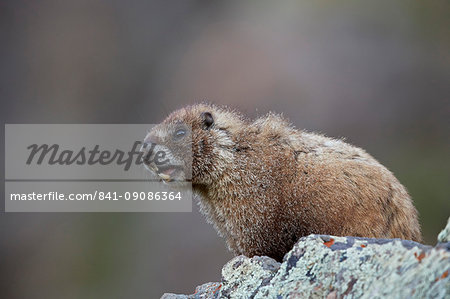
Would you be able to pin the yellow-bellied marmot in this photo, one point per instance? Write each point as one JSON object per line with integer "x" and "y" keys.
{"x": 264, "y": 184}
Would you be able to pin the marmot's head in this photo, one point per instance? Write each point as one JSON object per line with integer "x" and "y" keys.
{"x": 201, "y": 138}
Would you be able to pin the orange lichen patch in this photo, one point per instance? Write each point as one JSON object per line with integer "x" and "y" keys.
{"x": 329, "y": 243}
{"x": 420, "y": 256}
{"x": 363, "y": 245}
{"x": 444, "y": 275}
{"x": 218, "y": 288}
{"x": 318, "y": 287}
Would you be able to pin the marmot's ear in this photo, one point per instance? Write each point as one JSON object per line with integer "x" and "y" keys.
{"x": 207, "y": 120}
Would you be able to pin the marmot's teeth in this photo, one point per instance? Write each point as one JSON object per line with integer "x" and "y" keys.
{"x": 164, "y": 176}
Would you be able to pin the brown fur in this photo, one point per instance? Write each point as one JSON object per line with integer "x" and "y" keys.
{"x": 264, "y": 184}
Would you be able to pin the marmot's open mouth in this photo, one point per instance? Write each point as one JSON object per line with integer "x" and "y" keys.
{"x": 167, "y": 172}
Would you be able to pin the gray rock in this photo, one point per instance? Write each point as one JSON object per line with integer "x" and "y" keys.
{"x": 444, "y": 235}
{"x": 321, "y": 266}
{"x": 204, "y": 291}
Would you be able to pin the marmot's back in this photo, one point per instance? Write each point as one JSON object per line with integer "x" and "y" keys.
{"x": 264, "y": 184}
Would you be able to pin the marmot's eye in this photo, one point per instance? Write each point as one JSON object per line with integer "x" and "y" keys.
{"x": 180, "y": 133}
{"x": 207, "y": 119}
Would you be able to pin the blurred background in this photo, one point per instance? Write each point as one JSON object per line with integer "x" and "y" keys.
{"x": 374, "y": 72}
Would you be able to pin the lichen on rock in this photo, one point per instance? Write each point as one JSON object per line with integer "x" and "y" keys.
{"x": 444, "y": 235}
{"x": 322, "y": 266}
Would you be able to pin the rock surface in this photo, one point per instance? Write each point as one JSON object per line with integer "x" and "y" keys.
{"x": 321, "y": 266}
{"x": 444, "y": 235}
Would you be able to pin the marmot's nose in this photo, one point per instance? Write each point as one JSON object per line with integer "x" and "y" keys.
{"x": 149, "y": 139}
